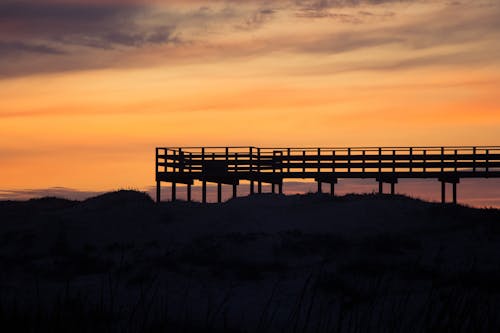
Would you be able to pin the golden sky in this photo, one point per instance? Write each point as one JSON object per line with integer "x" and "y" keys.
{"x": 88, "y": 89}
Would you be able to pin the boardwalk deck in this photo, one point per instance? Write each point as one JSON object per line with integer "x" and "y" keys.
{"x": 230, "y": 165}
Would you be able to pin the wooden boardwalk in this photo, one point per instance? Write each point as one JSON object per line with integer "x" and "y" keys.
{"x": 230, "y": 165}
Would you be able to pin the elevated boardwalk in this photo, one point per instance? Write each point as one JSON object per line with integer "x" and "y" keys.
{"x": 230, "y": 165}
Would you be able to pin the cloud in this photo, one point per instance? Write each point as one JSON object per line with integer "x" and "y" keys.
{"x": 72, "y": 35}
{"x": 59, "y": 192}
{"x": 16, "y": 48}
{"x": 101, "y": 26}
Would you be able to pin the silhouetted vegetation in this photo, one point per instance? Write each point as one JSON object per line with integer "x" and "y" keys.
{"x": 119, "y": 263}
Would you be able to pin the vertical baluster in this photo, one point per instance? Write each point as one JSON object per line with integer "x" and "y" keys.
{"x": 303, "y": 161}
{"x": 174, "y": 160}
{"x": 181, "y": 160}
{"x": 487, "y": 160}
{"x": 442, "y": 159}
{"x": 474, "y": 159}
{"x": 424, "y": 161}
{"x": 204, "y": 182}
{"x": 274, "y": 164}
{"x": 364, "y": 159}
{"x": 333, "y": 161}
{"x": 319, "y": 160}
{"x": 393, "y": 162}
{"x": 456, "y": 160}
{"x": 349, "y": 160}
{"x": 252, "y": 189}
{"x": 380, "y": 160}
{"x": 411, "y": 160}
{"x": 259, "y": 183}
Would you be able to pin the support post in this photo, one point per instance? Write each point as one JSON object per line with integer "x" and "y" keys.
{"x": 332, "y": 189}
{"x": 320, "y": 187}
{"x": 252, "y": 187}
{"x": 189, "y": 192}
{"x": 443, "y": 192}
{"x": 158, "y": 191}
{"x": 204, "y": 192}
{"x": 380, "y": 187}
{"x": 273, "y": 188}
{"x": 280, "y": 188}
{"x": 235, "y": 191}
{"x": 219, "y": 192}
{"x": 174, "y": 191}
{"x": 393, "y": 188}
{"x": 259, "y": 187}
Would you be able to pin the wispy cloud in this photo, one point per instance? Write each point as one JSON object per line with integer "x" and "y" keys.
{"x": 16, "y": 48}
{"x": 69, "y": 35}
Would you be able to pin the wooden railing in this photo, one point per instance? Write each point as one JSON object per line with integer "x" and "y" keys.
{"x": 347, "y": 162}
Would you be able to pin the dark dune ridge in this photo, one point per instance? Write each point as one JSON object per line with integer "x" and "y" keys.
{"x": 265, "y": 263}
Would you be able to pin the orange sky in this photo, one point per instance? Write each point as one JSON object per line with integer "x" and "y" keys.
{"x": 88, "y": 89}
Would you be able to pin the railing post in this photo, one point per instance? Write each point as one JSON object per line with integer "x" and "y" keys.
{"x": 380, "y": 163}
{"x": 273, "y": 164}
{"x": 487, "y": 160}
{"x": 348, "y": 160}
{"x": 364, "y": 160}
{"x": 259, "y": 182}
{"x": 174, "y": 162}
{"x": 158, "y": 182}
{"x": 456, "y": 160}
{"x": 156, "y": 162}
{"x": 393, "y": 162}
{"x": 319, "y": 160}
{"x": 333, "y": 161}
{"x": 442, "y": 159}
{"x": 259, "y": 166}
{"x": 411, "y": 160}
{"x": 236, "y": 162}
{"x": 204, "y": 182}
{"x": 303, "y": 161}
{"x": 474, "y": 159}
{"x": 424, "y": 161}
{"x": 181, "y": 160}
{"x": 252, "y": 189}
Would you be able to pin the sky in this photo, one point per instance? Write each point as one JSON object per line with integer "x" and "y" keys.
{"x": 89, "y": 88}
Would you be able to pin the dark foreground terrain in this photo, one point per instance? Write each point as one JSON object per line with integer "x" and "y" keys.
{"x": 305, "y": 263}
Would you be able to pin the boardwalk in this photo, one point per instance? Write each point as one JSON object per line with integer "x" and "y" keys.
{"x": 230, "y": 165}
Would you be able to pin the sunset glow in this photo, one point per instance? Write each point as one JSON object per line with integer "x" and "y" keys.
{"x": 88, "y": 89}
